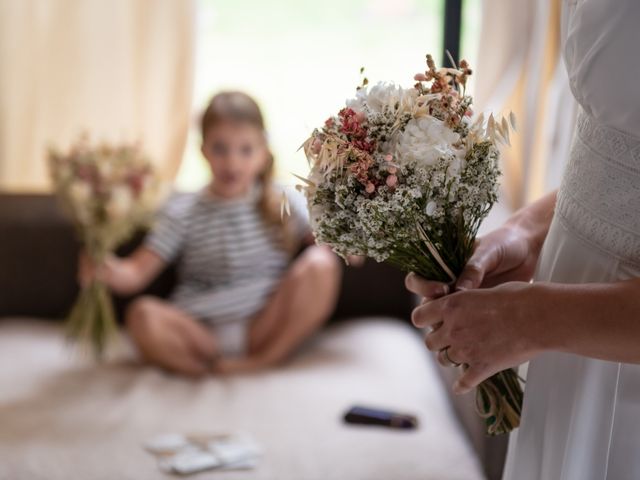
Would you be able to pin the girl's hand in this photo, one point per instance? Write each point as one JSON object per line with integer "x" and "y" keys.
{"x": 124, "y": 276}
{"x": 488, "y": 330}
{"x": 89, "y": 271}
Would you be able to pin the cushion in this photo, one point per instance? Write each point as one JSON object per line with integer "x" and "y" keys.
{"x": 65, "y": 417}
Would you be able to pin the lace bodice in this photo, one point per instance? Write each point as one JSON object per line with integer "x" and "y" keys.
{"x": 600, "y": 195}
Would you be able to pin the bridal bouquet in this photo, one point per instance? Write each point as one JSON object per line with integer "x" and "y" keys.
{"x": 109, "y": 192}
{"x": 406, "y": 175}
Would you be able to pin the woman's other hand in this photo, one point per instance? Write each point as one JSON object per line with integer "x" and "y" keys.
{"x": 488, "y": 330}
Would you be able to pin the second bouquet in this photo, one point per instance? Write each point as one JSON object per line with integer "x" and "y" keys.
{"x": 406, "y": 176}
{"x": 109, "y": 192}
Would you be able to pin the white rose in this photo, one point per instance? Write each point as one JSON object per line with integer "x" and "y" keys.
{"x": 425, "y": 140}
{"x": 120, "y": 202}
{"x": 384, "y": 95}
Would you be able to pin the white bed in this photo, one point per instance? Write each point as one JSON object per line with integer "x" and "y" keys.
{"x": 65, "y": 418}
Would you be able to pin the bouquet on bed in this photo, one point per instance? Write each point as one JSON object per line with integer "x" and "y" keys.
{"x": 109, "y": 193}
{"x": 406, "y": 175}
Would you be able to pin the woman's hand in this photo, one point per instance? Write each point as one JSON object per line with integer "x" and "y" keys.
{"x": 504, "y": 255}
{"x": 496, "y": 328}
{"x": 488, "y": 330}
{"x": 508, "y": 254}
{"x": 356, "y": 260}
{"x": 493, "y": 328}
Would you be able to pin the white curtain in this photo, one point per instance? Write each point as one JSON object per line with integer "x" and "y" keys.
{"x": 119, "y": 70}
{"x": 520, "y": 69}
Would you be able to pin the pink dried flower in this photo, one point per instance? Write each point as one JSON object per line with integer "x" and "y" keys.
{"x": 364, "y": 145}
{"x": 392, "y": 180}
{"x": 360, "y": 168}
{"x": 351, "y": 125}
{"x": 420, "y": 77}
{"x": 388, "y": 157}
{"x": 370, "y": 188}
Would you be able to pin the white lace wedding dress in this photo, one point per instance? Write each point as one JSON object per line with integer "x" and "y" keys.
{"x": 581, "y": 418}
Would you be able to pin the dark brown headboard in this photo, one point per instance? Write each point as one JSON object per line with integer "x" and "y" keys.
{"x": 38, "y": 254}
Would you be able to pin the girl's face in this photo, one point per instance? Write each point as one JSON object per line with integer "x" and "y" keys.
{"x": 237, "y": 154}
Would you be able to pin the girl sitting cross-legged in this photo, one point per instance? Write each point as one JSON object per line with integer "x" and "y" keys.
{"x": 243, "y": 299}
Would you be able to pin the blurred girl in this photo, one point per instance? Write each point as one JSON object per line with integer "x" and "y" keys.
{"x": 241, "y": 301}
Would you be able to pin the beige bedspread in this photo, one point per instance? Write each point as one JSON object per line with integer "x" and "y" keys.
{"x": 64, "y": 418}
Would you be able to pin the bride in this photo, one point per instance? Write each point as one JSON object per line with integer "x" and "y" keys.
{"x": 579, "y": 322}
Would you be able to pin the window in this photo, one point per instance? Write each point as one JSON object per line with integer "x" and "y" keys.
{"x": 300, "y": 59}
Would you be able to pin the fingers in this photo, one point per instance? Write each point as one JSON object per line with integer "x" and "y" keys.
{"x": 471, "y": 277}
{"x": 355, "y": 260}
{"x": 485, "y": 259}
{"x": 429, "y": 314}
{"x": 425, "y": 288}
{"x": 437, "y": 340}
{"x": 88, "y": 270}
{"x": 447, "y": 359}
{"x": 470, "y": 379}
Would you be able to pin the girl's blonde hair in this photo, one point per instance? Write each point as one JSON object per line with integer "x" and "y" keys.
{"x": 235, "y": 106}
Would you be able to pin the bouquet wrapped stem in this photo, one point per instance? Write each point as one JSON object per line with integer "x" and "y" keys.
{"x": 499, "y": 398}
{"x": 499, "y": 402}
{"x": 406, "y": 176}
{"x": 92, "y": 317}
{"x": 109, "y": 193}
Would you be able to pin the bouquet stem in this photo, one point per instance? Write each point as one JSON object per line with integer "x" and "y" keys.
{"x": 92, "y": 319}
{"x": 499, "y": 402}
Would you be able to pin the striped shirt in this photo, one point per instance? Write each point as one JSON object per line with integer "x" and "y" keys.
{"x": 229, "y": 259}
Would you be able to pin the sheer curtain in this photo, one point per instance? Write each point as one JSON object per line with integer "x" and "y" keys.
{"x": 120, "y": 70}
{"x": 520, "y": 68}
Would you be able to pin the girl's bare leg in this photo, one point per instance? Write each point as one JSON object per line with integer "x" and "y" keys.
{"x": 168, "y": 337}
{"x": 302, "y": 303}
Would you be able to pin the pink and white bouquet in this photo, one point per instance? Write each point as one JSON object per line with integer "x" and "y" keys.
{"x": 109, "y": 193}
{"x": 406, "y": 176}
